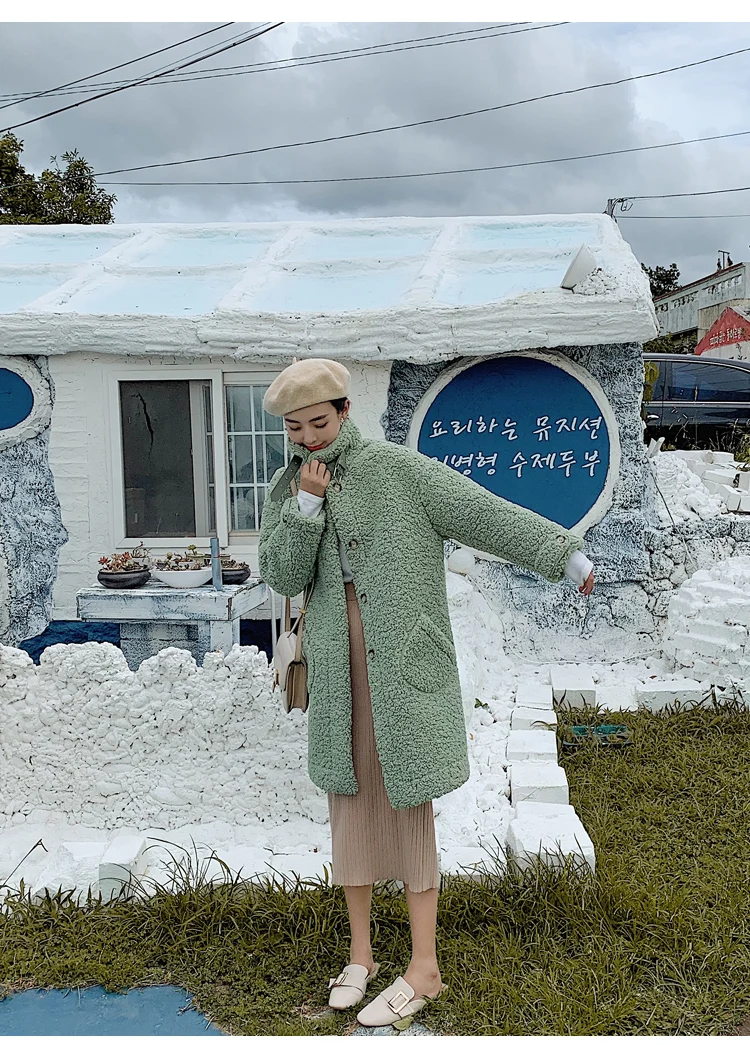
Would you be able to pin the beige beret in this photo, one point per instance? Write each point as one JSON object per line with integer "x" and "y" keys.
{"x": 305, "y": 383}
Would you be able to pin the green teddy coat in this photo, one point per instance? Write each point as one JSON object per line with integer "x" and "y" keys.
{"x": 393, "y": 508}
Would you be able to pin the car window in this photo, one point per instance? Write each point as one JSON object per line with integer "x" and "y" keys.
{"x": 660, "y": 381}
{"x": 683, "y": 382}
{"x": 706, "y": 382}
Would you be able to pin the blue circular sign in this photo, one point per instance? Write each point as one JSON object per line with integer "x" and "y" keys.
{"x": 16, "y": 399}
{"x": 525, "y": 429}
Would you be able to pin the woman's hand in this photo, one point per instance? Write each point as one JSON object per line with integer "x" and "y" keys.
{"x": 314, "y": 478}
{"x": 588, "y": 585}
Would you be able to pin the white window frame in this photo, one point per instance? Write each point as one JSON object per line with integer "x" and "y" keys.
{"x": 117, "y": 501}
{"x": 241, "y": 538}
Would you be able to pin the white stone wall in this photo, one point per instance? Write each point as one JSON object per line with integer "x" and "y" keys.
{"x": 80, "y": 453}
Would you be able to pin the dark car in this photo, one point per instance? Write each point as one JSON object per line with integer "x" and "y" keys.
{"x": 699, "y": 402}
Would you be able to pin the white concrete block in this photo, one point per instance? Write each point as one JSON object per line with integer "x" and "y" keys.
{"x": 697, "y": 642}
{"x": 470, "y": 862}
{"x": 731, "y": 497}
{"x": 544, "y": 782}
{"x": 534, "y": 695}
{"x": 551, "y": 837}
{"x": 532, "y": 718}
{"x": 531, "y": 745}
{"x": 655, "y": 695}
{"x": 572, "y": 685}
{"x": 616, "y": 698}
{"x": 722, "y": 457}
{"x": 720, "y": 476}
{"x": 745, "y": 502}
{"x": 744, "y": 483}
{"x": 124, "y": 861}
{"x": 719, "y": 631}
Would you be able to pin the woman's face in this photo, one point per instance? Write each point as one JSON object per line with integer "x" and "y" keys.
{"x": 315, "y": 427}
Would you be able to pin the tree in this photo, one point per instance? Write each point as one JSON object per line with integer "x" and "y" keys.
{"x": 66, "y": 195}
{"x": 663, "y": 280}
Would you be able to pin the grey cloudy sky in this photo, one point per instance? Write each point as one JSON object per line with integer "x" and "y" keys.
{"x": 165, "y": 122}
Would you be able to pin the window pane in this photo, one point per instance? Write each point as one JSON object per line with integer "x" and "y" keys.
{"x": 682, "y": 382}
{"x": 157, "y": 459}
{"x": 274, "y": 454}
{"x": 253, "y": 458}
{"x": 242, "y": 504}
{"x": 723, "y": 383}
{"x": 239, "y": 418}
{"x": 659, "y": 383}
{"x": 241, "y": 459}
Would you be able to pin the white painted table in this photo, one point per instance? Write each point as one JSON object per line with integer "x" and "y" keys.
{"x": 156, "y": 616}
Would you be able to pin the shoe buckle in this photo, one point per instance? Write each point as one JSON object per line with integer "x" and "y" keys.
{"x": 401, "y": 1003}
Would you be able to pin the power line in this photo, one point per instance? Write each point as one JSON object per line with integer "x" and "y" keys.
{"x": 423, "y": 123}
{"x": 298, "y": 62}
{"x": 675, "y": 195}
{"x": 454, "y": 170}
{"x": 678, "y": 217}
{"x": 112, "y": 68}
{"x": 183, "y": 65}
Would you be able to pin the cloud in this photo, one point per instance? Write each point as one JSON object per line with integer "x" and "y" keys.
{"x": 168, "y": 122}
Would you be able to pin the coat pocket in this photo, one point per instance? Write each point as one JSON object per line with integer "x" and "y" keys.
{"x": 428, "y": 657}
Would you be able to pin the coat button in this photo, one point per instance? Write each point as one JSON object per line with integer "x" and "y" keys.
{"x": 371, "y": 653}
{"x": 353, "y": 545}
{"x": 363, "y": 597}
{"x": 560, "y": 539}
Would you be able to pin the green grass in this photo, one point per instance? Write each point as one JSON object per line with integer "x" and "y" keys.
{"x": 657, "y": 942}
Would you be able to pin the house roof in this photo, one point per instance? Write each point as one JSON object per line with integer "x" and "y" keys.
{"x": 420, "y": 289}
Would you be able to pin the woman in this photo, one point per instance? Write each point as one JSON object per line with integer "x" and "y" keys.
{"x": 386, "y": 726}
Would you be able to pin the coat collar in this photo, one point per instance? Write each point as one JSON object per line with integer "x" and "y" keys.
{"x": 347, "y": 442}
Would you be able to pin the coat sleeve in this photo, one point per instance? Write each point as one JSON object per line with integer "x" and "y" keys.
{"x": 461, "y": 510}
{"x": 288, "y": 545}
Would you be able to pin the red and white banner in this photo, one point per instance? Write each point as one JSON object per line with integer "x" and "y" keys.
{"x": 729, "y": 337}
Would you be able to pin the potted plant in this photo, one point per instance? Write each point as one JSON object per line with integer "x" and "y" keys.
{"x": 182, "y": 571}
{"x": 233, "y": 572}
{"x": 124, "y": 569}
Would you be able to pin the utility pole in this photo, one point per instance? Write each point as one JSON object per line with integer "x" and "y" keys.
{"x": 622, "y": 201}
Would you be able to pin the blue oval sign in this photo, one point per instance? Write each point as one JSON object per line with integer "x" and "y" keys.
{"x": 525, "y": 429}
{"x": 16, "y": 399}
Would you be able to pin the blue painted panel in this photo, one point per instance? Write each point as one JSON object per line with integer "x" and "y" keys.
{"x": 526, "y": 430}
{"x": 16, "y": 399}
{"x": 154, "y": 1010}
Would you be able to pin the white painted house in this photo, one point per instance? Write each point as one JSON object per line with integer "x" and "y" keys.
{"x": 161, "y": 340}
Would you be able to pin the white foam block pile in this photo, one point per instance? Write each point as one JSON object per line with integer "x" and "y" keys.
{"x": 707, "y": 635}
{"x": 700, "y": 484}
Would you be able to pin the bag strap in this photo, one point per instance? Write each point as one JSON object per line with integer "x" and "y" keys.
{"x": 298, "y": 624}
{"x": 279, "y": 490}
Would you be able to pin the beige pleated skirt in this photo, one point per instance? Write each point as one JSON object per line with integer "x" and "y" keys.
{"x": 372, "y": 841}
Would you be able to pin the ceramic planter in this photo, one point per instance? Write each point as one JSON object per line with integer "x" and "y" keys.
{"x": 238, "y": 576}
{"x": 183, "y": 578}
{"x": 123, "y": 578}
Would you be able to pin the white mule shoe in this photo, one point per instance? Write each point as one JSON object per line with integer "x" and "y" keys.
{"x": 349, "y": 987}
{"x": 396, "y": 1006}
